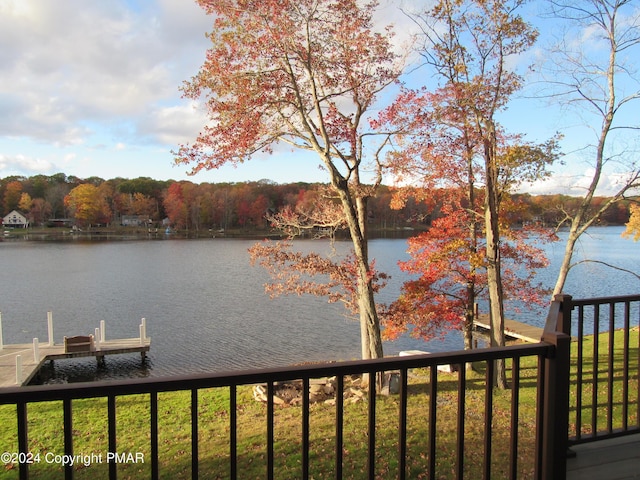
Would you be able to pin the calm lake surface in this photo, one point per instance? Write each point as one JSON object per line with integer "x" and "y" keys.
{"x": 205, "y": 306}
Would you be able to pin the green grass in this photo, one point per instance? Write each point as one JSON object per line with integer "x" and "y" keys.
{"x": 133, "y": 414}
{"x": 600, "y": 378}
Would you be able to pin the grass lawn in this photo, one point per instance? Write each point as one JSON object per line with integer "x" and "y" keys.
{"x": 133, "y": 414}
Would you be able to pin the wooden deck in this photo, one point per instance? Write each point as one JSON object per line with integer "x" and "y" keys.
{"x": 513, "y": 329}
{"x": 47, "y": 353}
{"x": 614, "y": 459}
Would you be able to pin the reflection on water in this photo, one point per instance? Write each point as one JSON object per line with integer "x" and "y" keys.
{"x": 88, "y": 369}
{"x": 205, "y": 306}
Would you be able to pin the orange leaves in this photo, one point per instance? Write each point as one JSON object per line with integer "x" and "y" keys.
{"x": 88, "y": 204}
{"x": 317, "y": 212}
{"x": 449, "y": 266}
{"x": 303, "y": 72}
{"x": 633, "y": 226}
{"x": 297, "y": 273}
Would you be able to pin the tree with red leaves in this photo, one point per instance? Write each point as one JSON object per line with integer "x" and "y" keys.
{"x": 448, "y": 265}
{"x": 175, "y": 205}
{"x": 304, "y": 73}
{"x": 457, "y": 142}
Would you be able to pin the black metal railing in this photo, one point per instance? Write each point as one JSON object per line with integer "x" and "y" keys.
{"x": 542, "y": 354}
{"x": 531, "y": 440}
{"x": 604, "y": 389}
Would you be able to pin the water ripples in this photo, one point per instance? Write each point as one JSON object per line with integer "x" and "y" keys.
{"x": 205, "y": 306}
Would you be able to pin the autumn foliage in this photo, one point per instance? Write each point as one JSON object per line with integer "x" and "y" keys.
{"x": 448, "y": 269}
{"x": 88, "y": 204}
{"x": 297, "y": 273}
{"x": 305, "y": 73}
{"x": 283, "y": 71}
{"x": 633, "y": 225}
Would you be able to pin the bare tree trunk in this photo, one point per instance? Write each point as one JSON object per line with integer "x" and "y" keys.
{"x": 355, "y": 211}
{"x": 470, "y": 313}
{"x": 494, "y": 276}
{"x": 469, "y": 317}
{"x": 496, "y": 308}
{"x": 467, "y": 327}
{"x": 565, "y": 266}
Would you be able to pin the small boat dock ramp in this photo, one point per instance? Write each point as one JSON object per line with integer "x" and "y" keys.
{"x": 513, "y": 330}
{"x": 19, "y": 363}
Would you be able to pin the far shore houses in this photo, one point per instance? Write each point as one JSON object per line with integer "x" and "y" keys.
{"x": 15, "y": 219}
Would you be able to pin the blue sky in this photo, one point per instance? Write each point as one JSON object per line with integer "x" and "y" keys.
{"x": 91, "y": 88}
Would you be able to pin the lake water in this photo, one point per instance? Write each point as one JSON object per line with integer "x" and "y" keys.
{"x": 205, "y": 306}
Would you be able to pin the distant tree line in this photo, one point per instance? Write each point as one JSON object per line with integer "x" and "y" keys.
{"x": 242, "y": 205}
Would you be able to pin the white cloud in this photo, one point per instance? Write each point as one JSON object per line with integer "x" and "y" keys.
{"x": 69, "y": 67}
{"x": 21, "y": 163}
{"x": 172, "y": 125}
{"x": 577, "y": 185}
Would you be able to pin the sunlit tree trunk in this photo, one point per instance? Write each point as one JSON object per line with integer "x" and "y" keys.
{"x": 355, "y": 212}
{"x": 470, "y": 312}
{"x": 494, "y": 276}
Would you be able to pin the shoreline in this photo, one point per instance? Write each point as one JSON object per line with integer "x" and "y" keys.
{"x": 133, "y": 233}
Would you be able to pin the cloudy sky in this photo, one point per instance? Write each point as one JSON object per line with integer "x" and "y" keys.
{"x": 91, "y": 88}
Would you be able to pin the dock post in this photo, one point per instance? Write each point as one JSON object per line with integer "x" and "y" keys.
{"x": 19, "y": 369}
{"x": 36, "y": 351}
{"x": 1, "y": 342}
{"x": 97, "y": 338}
{"x": 50, "y": 327}
{"x": 143, "y": 331}
{"x": 103, "y": 336}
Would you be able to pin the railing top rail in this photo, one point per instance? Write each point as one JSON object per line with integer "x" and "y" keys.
{"x": 41, "y": 393}
{"x": 605, "y": 300}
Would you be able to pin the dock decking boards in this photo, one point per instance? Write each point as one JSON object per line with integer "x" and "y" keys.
{"x": 56, "y": 352}
{"x": 512, "y": 329}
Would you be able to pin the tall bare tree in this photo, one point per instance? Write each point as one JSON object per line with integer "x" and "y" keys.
{"x": 593, "y": 70}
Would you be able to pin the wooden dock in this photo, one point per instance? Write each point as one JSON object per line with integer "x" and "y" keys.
{"x": 47, "y": 352}
{"x": 513, "y": 329}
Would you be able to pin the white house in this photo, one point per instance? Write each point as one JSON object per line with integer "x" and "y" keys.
{"x": 15, "y": 219}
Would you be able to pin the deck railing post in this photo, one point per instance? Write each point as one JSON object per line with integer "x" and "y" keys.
{"x": 556, "y": 408}
{"x": 564, "y": 313}
{"x": 555, "y": 423}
